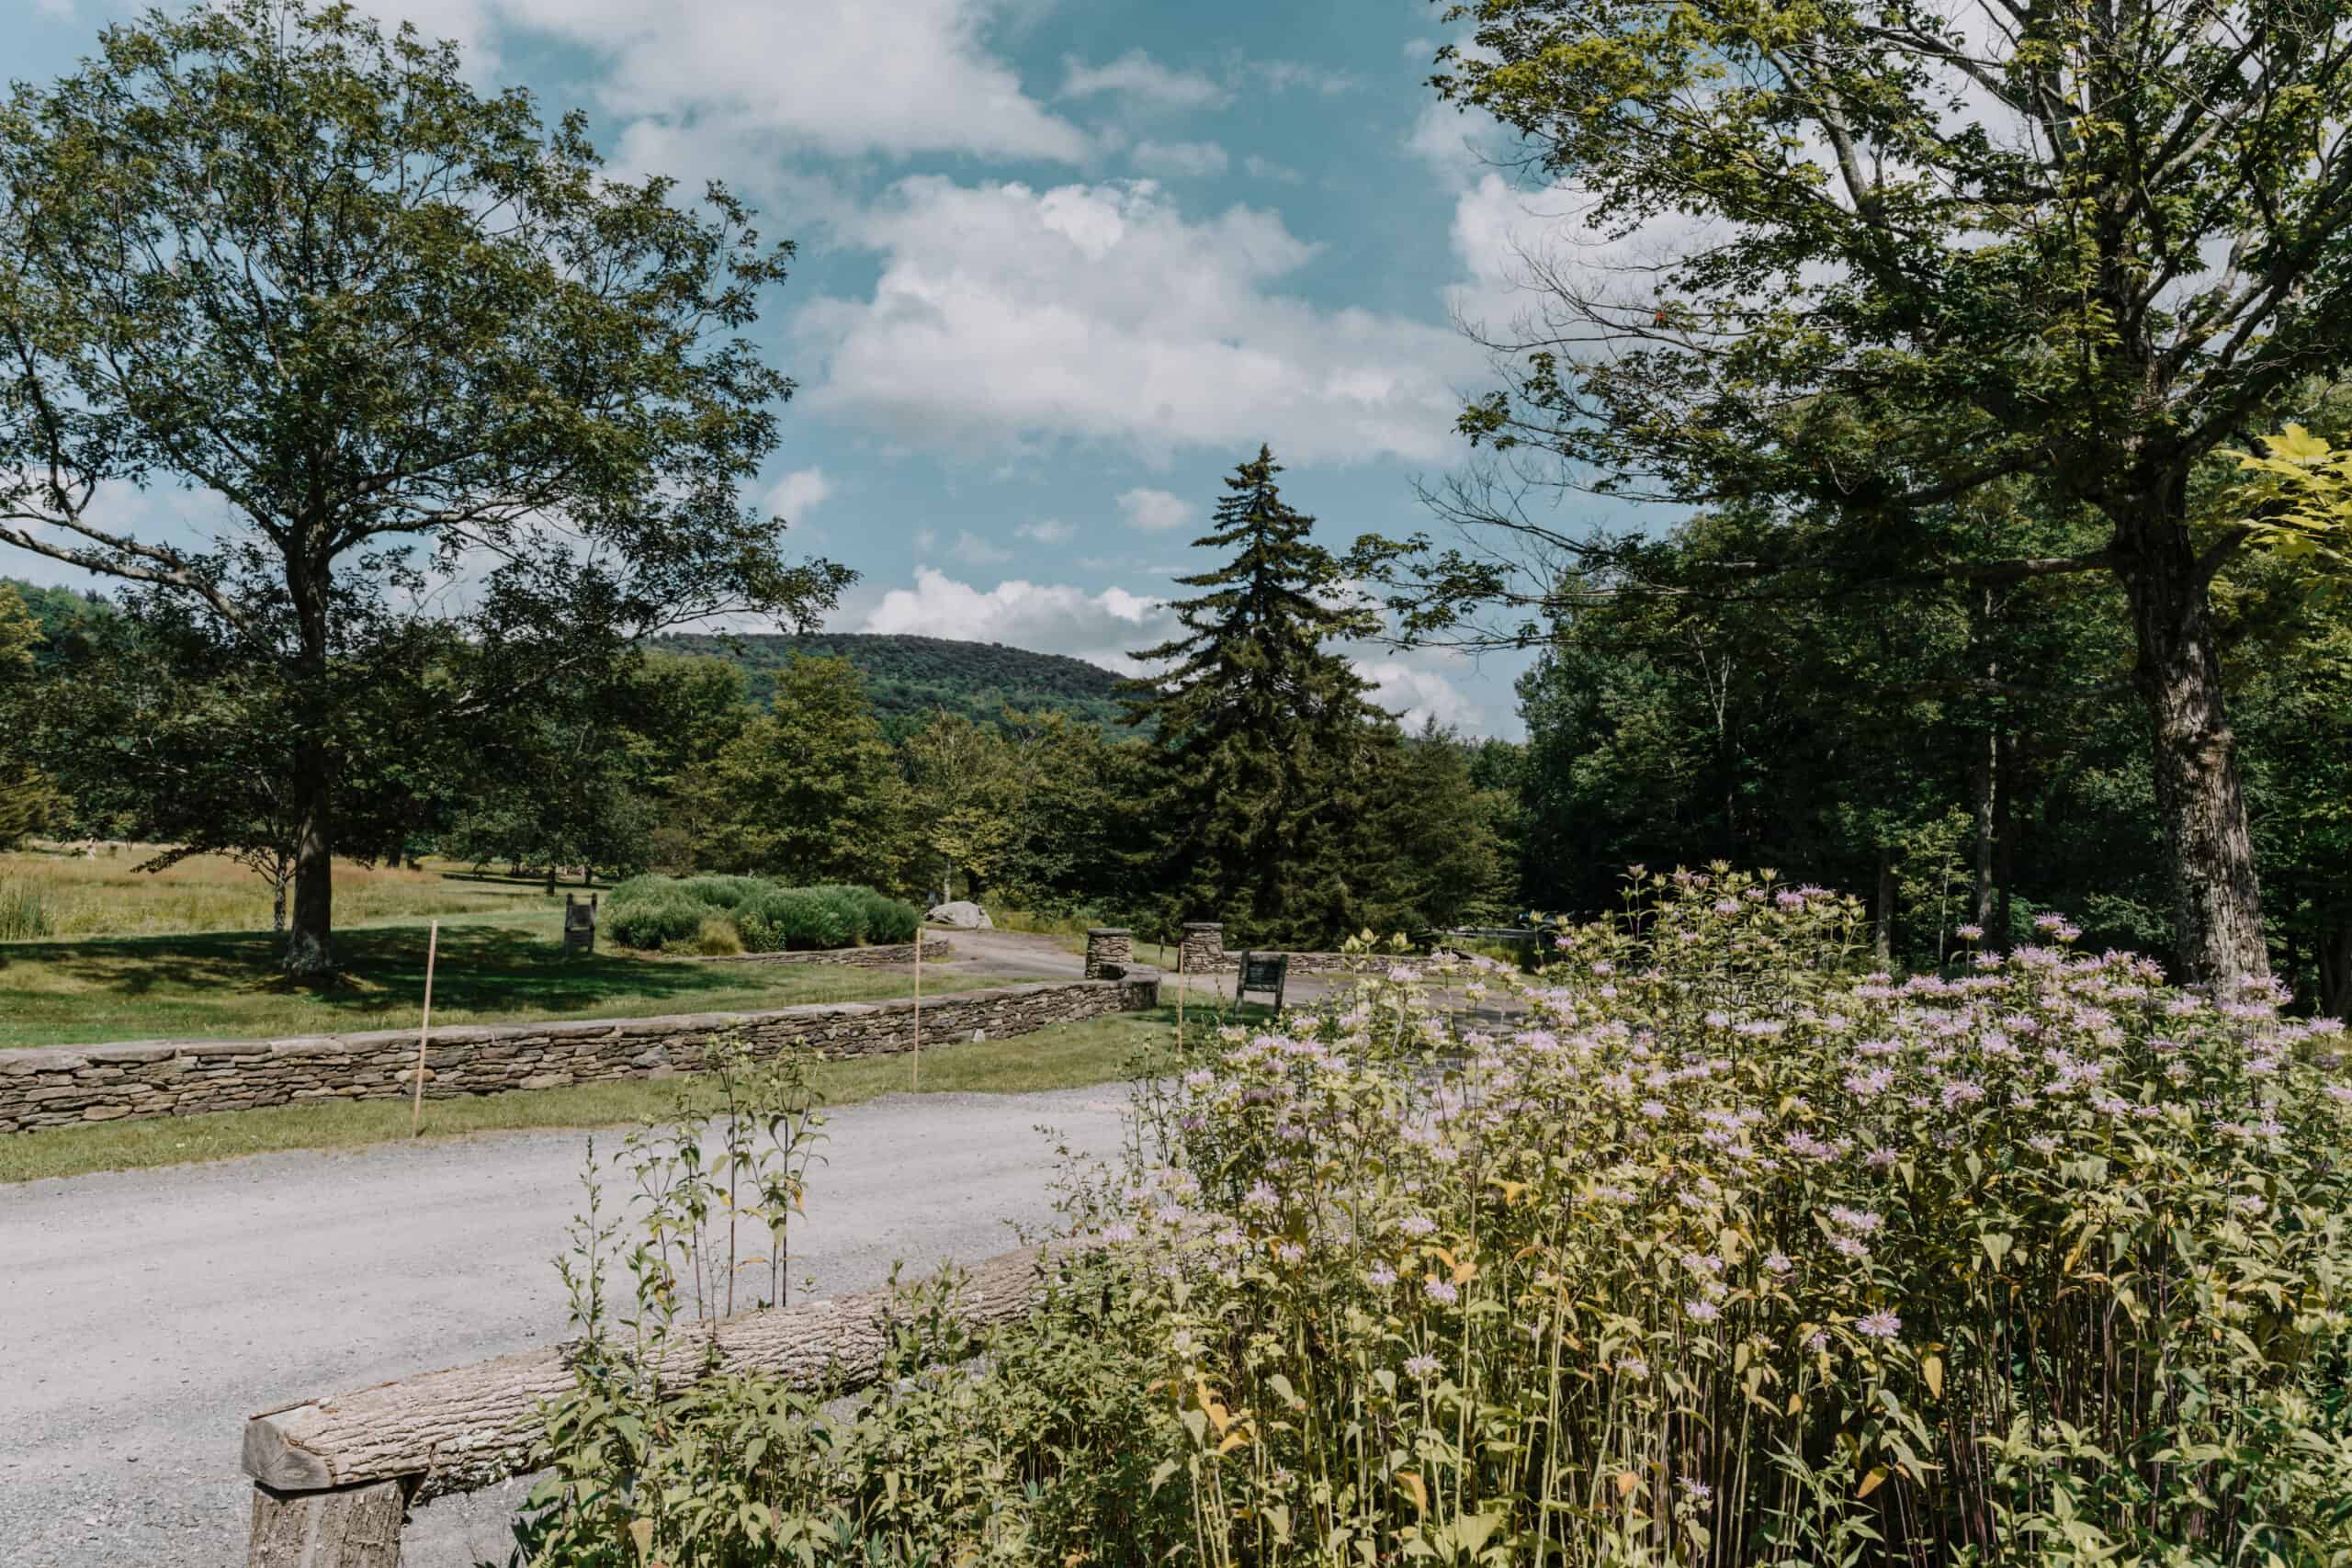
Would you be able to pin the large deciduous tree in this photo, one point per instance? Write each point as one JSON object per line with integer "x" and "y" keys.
{"x": 413, "y": 349}
{"x": 809, "y": 793}
{"x": 1869, "y": 258}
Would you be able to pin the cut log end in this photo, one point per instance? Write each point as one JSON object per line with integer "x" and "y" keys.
{"x": 356, "y": 1527}
{"x": 274, "y": 1460}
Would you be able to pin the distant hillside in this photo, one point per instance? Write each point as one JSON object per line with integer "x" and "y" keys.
{"x": 913, "y": 677}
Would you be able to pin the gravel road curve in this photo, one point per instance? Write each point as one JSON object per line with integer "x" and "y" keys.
{"x": 145, "y": 1315}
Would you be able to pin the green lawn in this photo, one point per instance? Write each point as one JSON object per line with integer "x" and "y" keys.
{"x": 1064, "y": 1056}
{"x": 492, "y": 968}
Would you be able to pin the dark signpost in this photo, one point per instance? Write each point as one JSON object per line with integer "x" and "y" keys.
{"x": 1263, "y": 972}
{"x": 579, "y": 924}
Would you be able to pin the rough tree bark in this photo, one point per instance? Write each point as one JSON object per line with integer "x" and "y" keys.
{"x": 310, "y": 940}
{"x": 1883, "y": 921}
{"x": 310, "y": 944}
{"x": 2217, "y": 899}
{"x": 452, "y": 1431}
{"x": 2005, "y": 838}
{"x": 1983, "y": 777}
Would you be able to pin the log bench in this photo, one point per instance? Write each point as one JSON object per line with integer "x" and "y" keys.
{"x": 333, "y": 1478}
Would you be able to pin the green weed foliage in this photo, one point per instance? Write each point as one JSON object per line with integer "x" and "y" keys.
{"x": 651, "y": 913}
{"x": 24, "y": 911}
{"x": 1722, "y": 1251}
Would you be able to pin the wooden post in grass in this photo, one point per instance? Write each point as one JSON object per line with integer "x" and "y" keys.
{"x": 416, "y": 1105}
{"x": 915, "y": 1084}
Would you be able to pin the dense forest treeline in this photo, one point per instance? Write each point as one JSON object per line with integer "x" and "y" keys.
{"x": 910, "y": 679}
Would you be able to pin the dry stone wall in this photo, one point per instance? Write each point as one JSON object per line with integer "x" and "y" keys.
{"x": 181, "y": 1078}
{"x": 1204, "y": 953}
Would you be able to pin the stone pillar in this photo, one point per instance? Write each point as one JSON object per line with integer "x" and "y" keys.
{"x": 1204, "y": 946}
{"x": 1109, "y": 951}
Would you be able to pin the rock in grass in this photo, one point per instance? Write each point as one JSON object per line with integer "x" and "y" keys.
{"x": 963, "y": 914}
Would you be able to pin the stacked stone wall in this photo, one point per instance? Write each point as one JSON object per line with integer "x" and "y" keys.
{"x": 169, "y": 1078}
{"x": 1204, "y": 953}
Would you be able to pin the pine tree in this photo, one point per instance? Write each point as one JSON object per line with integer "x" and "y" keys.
{"x": 1261, "y": 736}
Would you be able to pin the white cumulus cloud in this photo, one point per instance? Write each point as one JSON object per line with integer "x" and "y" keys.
{"x": 1137, "y": 76}
{"x": 1047, "y": 531}
{"x": 799, "y": 493}
{"x": 1415, "y": 692}
{"x": 1006, "y": 313}
{"x": 835, "y": 76}
{"x": 1154, "y": 511}
{"x": 1102, "y": 628}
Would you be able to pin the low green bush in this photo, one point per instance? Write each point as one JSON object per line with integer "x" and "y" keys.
{"x": 1723, "y": 1251}
{"x": 723, "y": 891}
{"x": 876, "y": 918}
{"x": 717, "y": 938}
{"x": 656, "y": 912}
{"x": 653, "y": 919}
{"x": 792, "y": 920}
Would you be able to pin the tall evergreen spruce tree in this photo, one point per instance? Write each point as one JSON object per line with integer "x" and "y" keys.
{"x": 1263, "y": 740}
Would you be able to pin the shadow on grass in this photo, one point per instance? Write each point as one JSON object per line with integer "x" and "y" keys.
{"x": 528, "y": 883}
{"x": 483, "y": 968}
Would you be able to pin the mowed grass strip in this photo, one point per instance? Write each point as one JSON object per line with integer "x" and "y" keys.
{"x": 492, "y": 969}
{"x": 1066, "y": 1055}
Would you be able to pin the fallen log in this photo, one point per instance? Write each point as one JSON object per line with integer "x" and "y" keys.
{"x": 325, "y": 1470}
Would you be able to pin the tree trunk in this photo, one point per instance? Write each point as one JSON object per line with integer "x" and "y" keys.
{"x": 2217, "y": 899}
{"x": 1983, "y": 786}
{"x": 1885, "y": 933}
{"x": 1984, "y": 781}
{"x": 2005, "y": 838}
{"x": 357, "y": 1527}
{"x": 2333, "y": 949}
{"x": 310, "y": 943}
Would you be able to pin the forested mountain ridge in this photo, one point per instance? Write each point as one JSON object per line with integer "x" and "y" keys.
{"x": 911, "y": 678}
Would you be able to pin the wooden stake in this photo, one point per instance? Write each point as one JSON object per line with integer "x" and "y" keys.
{"x": 917, "y": 1083}
{"x": 1180, "y": 996}
{"x": 416, "y": 1105}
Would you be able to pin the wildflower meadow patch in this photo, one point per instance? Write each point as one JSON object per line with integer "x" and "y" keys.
{"x": 1721, "y": 1250}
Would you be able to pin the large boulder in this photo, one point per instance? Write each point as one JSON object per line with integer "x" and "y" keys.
{"x": 963, "y": 914}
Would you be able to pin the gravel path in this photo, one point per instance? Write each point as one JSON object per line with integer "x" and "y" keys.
{"x": 145, "y": 1315}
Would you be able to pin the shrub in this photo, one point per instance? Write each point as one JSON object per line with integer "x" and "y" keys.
{"x": 717, "y": 937}
{"x": 638, "y": 889}
{"x": 1724, "y": 1252}
{"x": 873, "y": 917}
{"x": 723, "y": 891}
{"x": 789, "y": 919}
{"x": 888, "y": 920}
{"x": 653, "y": 919}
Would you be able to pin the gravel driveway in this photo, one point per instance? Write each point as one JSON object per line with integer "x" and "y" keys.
{"x": 145, "y": 1315}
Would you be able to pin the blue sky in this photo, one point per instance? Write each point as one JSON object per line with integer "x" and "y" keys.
{"x": 1063, "y": 262}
